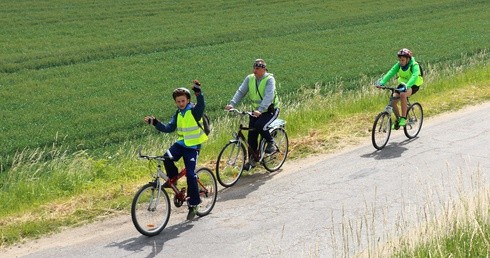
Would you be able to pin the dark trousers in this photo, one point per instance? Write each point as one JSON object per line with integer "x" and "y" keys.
{"x": 190, "y": 156}
{"x": 260, "y": 124}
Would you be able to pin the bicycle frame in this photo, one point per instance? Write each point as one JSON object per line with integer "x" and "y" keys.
{"x": 240, "y": 138}
{"x": 180, "y": 195}
{"x": 389, "y": 107}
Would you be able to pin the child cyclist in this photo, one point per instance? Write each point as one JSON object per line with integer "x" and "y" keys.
{"x": 409, "y": 81}
{"x": 190, "y": 137}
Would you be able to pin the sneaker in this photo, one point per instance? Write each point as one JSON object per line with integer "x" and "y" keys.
{"x": 248, "y": 166}
{"x": 192, "y": 212}
{"x": 395, "y": 125}
{"x": 402, "y": 122}
{"x": 271, "y": 148}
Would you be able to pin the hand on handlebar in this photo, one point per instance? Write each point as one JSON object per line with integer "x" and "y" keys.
{"x": 256, "y": 113}
{"x": 378, "y": 84}
{"x": 228, "y": 107}
{"x": 402, "y": 87}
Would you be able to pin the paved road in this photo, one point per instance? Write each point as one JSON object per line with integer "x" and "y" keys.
{"x": 333, "y": 205}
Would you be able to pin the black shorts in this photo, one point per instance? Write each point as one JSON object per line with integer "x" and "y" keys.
{"x": 414, "y": 88}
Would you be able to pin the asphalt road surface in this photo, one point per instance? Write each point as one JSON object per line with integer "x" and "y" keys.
{"x": 323, "y": 206}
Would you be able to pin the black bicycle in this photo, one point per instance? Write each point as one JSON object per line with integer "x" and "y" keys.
{"x": 232, "y": 158}
{"x": 382, "y": 123}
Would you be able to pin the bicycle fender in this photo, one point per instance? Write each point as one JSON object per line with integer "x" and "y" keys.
{"x": 277, "y": 123}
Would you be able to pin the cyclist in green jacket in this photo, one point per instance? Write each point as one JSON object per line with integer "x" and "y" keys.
{"x": 409, "y": 81}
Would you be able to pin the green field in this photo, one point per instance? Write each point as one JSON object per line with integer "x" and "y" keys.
{"x": 83, "y": 74}
{"x": 77, "y": 78}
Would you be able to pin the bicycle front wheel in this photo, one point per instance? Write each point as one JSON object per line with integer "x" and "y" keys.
{"x": 274, "y": 161}
{"x": 229, "y": 166}
{"x": 381, "y": 130}
{"x": 415, "y": 118}
{"x": 208, "y": 191}
{"x": 150, "y": 210}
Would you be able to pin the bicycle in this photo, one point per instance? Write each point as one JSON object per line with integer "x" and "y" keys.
{"x": 150, "y": 209}
{"x": 382, "y": 123}
{"x": 232, "y": 158}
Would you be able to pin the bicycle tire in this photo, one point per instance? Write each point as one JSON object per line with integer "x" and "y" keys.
{"x": 274, "y": 161}
{"x": 150, "y": 210}
{"x": 229, "y": 166}
{"x": 208, "y": 191}
{"x": 415, "y": 118}
{"x": 381, "y": 130}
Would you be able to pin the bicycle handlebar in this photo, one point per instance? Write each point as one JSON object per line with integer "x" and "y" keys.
{"x": 148, "y": 157}
{"x": 393, "y": 89}
{"x": 234, "y": 110}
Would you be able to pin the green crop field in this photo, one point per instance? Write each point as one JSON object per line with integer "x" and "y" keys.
{"x": 83, "y": 73}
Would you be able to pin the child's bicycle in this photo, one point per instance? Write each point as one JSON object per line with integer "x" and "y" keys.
{"x": 382, "y": 124}
{"x": 232, "y": 158}
{"x": 150, "y": 210}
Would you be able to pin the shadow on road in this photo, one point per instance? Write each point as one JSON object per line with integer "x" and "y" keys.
{"x": 391, "y": 151}
{"x": 248, "y": 182}
{"x": 137, "y": 244}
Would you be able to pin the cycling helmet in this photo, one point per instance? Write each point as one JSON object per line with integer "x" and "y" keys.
{"x": 181, "y": 91}
{"x": 405, "y": 52}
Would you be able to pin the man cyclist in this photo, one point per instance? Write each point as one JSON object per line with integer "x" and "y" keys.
{"x": 409, "y": 81}
{"x": 261, "y": 89}
{"x": 190, "y": 138}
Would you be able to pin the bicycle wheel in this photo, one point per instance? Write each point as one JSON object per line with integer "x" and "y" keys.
{"x": 272, "y": 162}
{"x": 381, "y": 130}
{"x": 208, "y": 191}
{"x": 229, "y": 166}
{"x": 415, "y": 118}
{"x": 150, "y": 210}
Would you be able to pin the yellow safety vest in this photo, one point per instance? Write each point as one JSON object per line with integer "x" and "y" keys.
{"x": 188, "y": 130}
{"x": 256, "y": 94}
{"x": 404, "y": 76}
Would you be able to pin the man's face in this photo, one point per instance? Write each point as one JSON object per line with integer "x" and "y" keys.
{"x": 258, "y": 71}
{"x": 182, "y": 101}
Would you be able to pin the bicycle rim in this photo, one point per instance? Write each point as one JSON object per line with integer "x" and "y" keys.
{"x": 415, "y": 118}
{"x": 150, "y": 210}
{"x": 381, "y": 130}
{"x": 208, "y": 191}
{"x": 274, "y": 161}
{"x": 229, "y": 166}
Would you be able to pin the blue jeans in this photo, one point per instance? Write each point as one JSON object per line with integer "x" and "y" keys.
{"x": 190, "y": 156}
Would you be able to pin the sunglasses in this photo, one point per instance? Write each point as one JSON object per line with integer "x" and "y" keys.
{"x": 259, "y": 65}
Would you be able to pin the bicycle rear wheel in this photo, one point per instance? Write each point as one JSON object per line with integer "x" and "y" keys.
{"x": 208, "y": 191}
{"x": 274, "y": 161}
{"x": 229, "y": 166}
{"x": 415, "y": 118}
{"x": 381, "y": 130}
{"x": 150, "y": 210}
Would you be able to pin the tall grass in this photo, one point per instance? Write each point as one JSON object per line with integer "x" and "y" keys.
{"x": 457, "y": 227}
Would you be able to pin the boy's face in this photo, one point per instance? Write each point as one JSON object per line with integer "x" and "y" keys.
{"x": 403, "y": 60}
{"x": 182, "y": 101}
